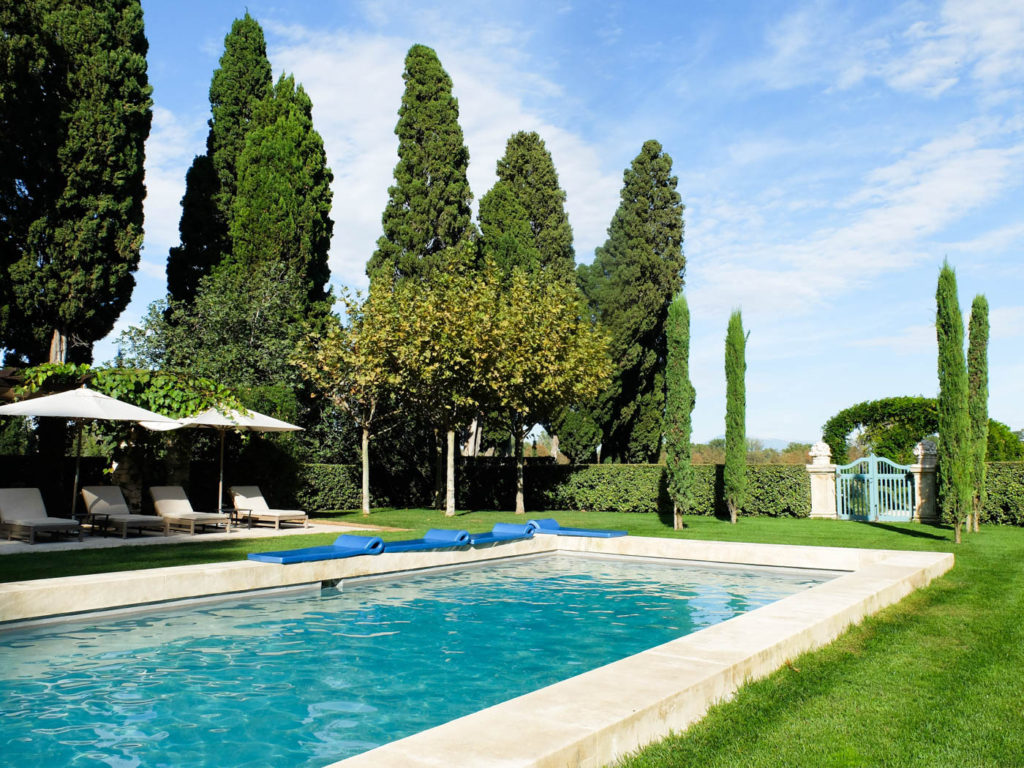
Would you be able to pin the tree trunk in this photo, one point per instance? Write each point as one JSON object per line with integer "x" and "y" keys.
{"x": 449, "y": 507}
{"x": 520, "y": 503}
{"x": 438, "y": 469}
{"x": 733, "y": 512}
{"x": 956, "y": 528}
{"x": 366, "y": 470}
{"x": 677, "y": 518}
{"x": 58, "y": 347}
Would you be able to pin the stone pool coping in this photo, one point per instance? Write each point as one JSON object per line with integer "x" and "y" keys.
{"x": 588, "y": 720}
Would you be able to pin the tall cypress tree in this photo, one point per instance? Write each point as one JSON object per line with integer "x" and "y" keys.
{"x": 955, "y": 455}
{"x": 505, "y": 230}
{"x": 629, "y": 287}
{"x": 977, "y": 383}
{"x": 428, "y": 208}
{"x": 527, "y": 175}
{"x": 77, "y": 97}
{"x": 679, "y": 401}
{"x": 239, "y": 85}
{"x": 735, "y": 474}
{"x": 281, "y": 207}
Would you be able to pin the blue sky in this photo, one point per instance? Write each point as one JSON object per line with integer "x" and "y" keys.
{"x": 830, "y": 156}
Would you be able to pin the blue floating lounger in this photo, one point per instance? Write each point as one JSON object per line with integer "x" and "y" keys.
{"x": 343, "y": 546}
{"x": 502, "y": 532}
{"x": 550, "y": 525}
{"x": 435, "y": 538}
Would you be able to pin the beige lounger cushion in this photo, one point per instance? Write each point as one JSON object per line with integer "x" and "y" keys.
{"x": 249, "y": 499}
{"x": 22, "y": 509}
{"x": 108, "y": 500}
{"x": 173, "y": 505}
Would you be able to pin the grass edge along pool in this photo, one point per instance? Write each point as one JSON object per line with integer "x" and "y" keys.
{"x": 659, "y": 690}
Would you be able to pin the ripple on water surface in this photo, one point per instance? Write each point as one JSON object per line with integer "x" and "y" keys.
{"x": 308, "y": 680}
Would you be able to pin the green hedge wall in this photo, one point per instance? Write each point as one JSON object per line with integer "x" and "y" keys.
{"x": 1005, "y": 488}
{"x": 775, "y": 490}
{"x": 329, "y": 486}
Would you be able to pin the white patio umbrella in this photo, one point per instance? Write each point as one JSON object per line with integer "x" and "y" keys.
{"x": 211, "y": 418}
{"x": 80, "y": 404}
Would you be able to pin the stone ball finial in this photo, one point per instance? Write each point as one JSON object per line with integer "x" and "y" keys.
{"x": 821, "y": 453}
{"x": 927, "y": 454}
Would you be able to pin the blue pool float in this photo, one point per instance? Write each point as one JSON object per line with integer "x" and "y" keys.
{"x": 435, "y": 538}
{"x": 343, "y": 546}
{"x": 502, "y": 532}
{"x": 551, "y": 526}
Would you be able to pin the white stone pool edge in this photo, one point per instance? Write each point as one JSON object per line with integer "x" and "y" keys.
{"x": 588, "y": 720}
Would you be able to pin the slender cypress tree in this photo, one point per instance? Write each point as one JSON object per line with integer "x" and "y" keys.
{"x": 283, "y": 197}
{"x": 629, "y": 287}
{"x": 72, "y": 237}
{"x": 955, "y": 454}
{"x": 977, "y": 383}
{"x": 505, "y": 230}
{"x": 527, "y": 174}
{"x": 428, "y": 208}
{"x": 239, "y": 85}
{"x": 735, "y": 475}
{"x": 679, "y": 402}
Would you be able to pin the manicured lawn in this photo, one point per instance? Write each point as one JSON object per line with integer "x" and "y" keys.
{"x": 936, "y": 680}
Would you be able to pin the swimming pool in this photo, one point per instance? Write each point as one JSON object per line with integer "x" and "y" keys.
{"x": 306, "y": 680}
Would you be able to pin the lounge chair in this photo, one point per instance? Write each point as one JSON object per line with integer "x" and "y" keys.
{"x": 22, "y": 513}
{"x": 435, "y": 538}
{"x": 106, "y": 506}
{"x": 502, "y": 532}
{"x": 345, "y": 545}
{"x": 250, "y": 504}
{"x": 550, "y": 525}
{"x": 173, "y": 505}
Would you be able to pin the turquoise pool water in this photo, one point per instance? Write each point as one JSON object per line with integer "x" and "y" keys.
{"x": 305, "y": 680}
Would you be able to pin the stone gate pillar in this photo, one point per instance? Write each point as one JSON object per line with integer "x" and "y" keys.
{"x": 823, "y": 481}
{"x": 925, "y": 508}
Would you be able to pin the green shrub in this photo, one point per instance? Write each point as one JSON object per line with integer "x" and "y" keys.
{"x": 329, "y": 486}
{"x": 1005, "y": 493}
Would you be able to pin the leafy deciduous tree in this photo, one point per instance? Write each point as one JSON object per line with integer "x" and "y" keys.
{"x": 679, "y": 403}
{"x": 352, "y": 366}
{"x": 735, "y": 473}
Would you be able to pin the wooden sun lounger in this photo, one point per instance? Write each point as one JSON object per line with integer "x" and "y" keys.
{"x": 173, "y": 505}
{"x": 22, "y": 514}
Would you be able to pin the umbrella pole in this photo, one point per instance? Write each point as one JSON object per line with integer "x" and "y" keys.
{"x": 220, "y": 482}
{"x": 78, "y": 461}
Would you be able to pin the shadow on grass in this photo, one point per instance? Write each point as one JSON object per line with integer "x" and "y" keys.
{"x": 916, "y": 532}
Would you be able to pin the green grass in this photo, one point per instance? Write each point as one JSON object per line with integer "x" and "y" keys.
{"x": 936, "y": 680}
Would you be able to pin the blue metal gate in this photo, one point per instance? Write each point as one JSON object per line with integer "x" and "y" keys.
{"x": 874, "y": 488}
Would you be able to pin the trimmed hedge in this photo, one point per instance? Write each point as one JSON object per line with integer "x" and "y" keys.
{"x": 329, "y": 486}
{"x": 1005, "y": 493}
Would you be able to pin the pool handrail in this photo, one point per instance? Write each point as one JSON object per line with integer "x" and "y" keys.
{"x": 345, "y": 545}
{"x": 551, "y": 526}
{"x": 435, "y": 538}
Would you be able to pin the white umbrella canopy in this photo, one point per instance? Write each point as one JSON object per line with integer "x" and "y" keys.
{"x": 251, "y": 421}
{"x": 79, "y": 404}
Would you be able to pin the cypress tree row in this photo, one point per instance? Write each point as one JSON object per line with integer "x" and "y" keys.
{"x": 528, "y": 205}
{"x": 428, "y": 208}
{"x": 977, "y": 383}
{"x": 629, "y": 287}
{"x": 76, "y": 115}
{"x": 735, "y": 475}
{"x": 680, "y": 399}
{"x": 955, "y": 451}
{"x": 282, "y": 202}
{"x": 239, "y": 85}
